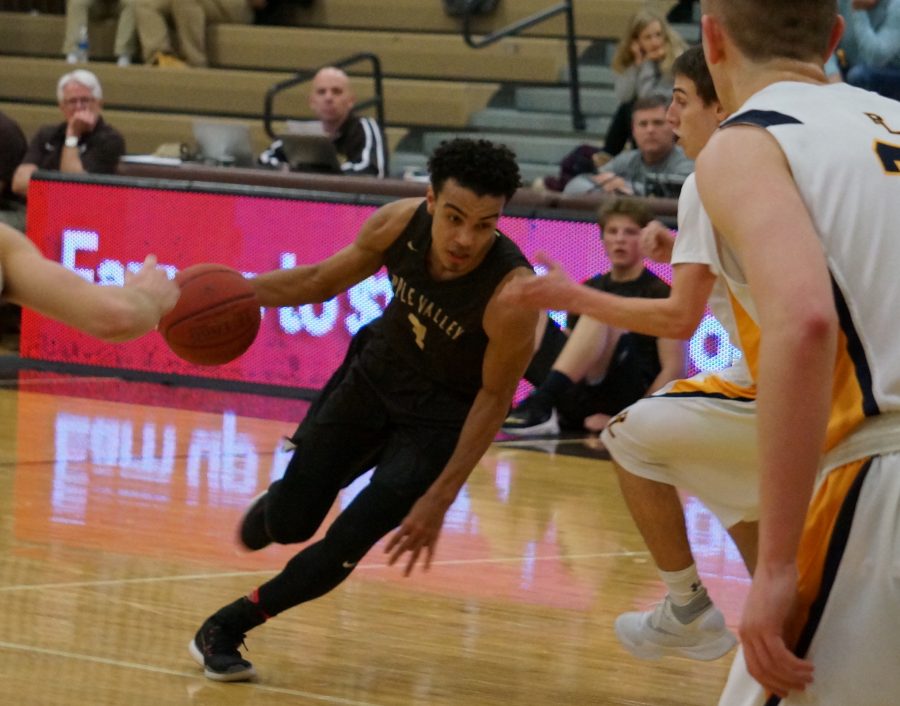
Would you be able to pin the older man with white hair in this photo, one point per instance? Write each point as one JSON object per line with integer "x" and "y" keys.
{"x": 83, "y": 142}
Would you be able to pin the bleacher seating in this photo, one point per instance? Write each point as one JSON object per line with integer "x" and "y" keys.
{"x": 594, "y": 19}
{"x": 405, "y": 54}
{"x": 435, "y": 85}
{"x": 239, "y": 93}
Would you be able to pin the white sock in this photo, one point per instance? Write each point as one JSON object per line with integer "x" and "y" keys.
{"x": 683, "y": 585}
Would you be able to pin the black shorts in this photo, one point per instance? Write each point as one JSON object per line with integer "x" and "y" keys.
{"x": 354, "y": 426}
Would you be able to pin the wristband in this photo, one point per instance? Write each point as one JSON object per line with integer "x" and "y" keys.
{"x": 71, "y": 141}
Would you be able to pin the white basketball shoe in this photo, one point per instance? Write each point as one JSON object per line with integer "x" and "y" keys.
{"x": 660, "y": 632}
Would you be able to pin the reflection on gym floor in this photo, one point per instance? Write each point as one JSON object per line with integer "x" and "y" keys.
{"x": 117, "y": 537}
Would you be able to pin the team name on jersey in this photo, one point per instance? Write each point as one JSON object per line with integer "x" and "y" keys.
{"x": 423, "y": 307}
{"x": 878, "y": 120}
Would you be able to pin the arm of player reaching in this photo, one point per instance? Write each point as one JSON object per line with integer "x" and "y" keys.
{"x": 748, "y": 190}
{"x": 676, "y": 316}
{"x": 671, "y": 362}
{"x": 510, "y": 332}
{"x": 318, "y": 282}
{"x": 107, "y": 312}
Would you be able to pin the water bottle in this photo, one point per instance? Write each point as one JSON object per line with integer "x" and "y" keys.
{"x": 81, "y": 49}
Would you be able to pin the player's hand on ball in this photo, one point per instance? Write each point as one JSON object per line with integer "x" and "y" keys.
{"x": 153, "y": 281}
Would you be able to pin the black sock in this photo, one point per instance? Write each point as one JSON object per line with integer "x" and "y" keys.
{"x": 242, "y": 615}
{"x": 553, "y": 388}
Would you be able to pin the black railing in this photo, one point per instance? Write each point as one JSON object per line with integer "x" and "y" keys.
{"x": 565, "y": 7}
{"x": 377, "y": 100}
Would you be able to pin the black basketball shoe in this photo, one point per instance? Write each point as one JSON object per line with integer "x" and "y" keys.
{"x": 252, "y": 532}
{"x": 532, "y": 417}
{"x": 215, "y": 648}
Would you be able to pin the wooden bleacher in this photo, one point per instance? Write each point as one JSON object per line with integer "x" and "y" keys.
{"x": 238, "y": 93}
{"x": 404, "y": 54}
{"x": 594, "y": 19}
{"x": 433, "y": 80}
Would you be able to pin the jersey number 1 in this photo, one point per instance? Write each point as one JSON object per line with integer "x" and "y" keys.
{"x": 419, "y": 331}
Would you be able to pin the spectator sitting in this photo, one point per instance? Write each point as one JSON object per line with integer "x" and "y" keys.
{"x": 599, "y": 370}
{"x": 12, "y": 149}
{"x": 643, "y": 64}
{"x": 190, "y": 19}
{"x": 358, "y": 140}
{"x": 77, "y": 14}
{"x": 870, "y": 48}
{"x": 658, "y": 167}
{"x": 83, "y": 142}
{"x": 643, "y": 59}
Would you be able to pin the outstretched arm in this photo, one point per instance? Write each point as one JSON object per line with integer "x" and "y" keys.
{"x": 510, "y": 333}
{"x": 676, "y": 316}
{"x": 323, "y": 280}
{"x": 110, "y": 313}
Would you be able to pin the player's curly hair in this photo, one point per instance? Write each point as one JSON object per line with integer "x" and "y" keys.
{"x": 478, "y": 165}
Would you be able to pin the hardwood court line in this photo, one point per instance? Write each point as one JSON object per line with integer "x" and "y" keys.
{"x": 239, "y": 574}
{"x": 64, "y": 654}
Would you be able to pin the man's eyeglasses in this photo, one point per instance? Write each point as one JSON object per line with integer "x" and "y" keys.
{"x": 79, "y": 100}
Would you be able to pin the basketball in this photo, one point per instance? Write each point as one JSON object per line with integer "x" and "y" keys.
{"x": 216, "y": 317}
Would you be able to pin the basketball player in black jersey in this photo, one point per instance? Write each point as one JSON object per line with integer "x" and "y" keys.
{"x": 419, "y": 396}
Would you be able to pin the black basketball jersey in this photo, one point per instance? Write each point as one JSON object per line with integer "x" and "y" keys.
{"x": 435, "y": 327}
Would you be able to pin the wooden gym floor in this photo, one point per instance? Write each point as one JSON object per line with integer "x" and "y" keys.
{"x": 117, "y": 523}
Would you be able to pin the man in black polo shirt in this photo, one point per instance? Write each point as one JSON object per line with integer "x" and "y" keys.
{"x": 83, "y": 142}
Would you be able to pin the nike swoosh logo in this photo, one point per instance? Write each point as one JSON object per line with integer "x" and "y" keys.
{"x": 411, "y": 246}
{"x": 349, "y": 564}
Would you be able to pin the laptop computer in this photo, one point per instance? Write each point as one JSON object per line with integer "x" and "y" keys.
{"x": 224, "y": 143}
{"x": 310, "y": 153}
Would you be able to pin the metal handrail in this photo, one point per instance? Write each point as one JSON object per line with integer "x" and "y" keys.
{"x": 303, "y": 76}
{"x": 565, "y": 7}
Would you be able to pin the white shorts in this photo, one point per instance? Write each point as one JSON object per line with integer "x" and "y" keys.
{"x": 855, "y": 643}
{"x": 699, "y": 435}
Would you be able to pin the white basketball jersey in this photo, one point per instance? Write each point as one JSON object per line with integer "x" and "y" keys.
{"x": 696, "y": 244}
{"x": 843, "y": 147}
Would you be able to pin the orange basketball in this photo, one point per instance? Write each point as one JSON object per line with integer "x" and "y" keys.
{"x": 216, "y": 317}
